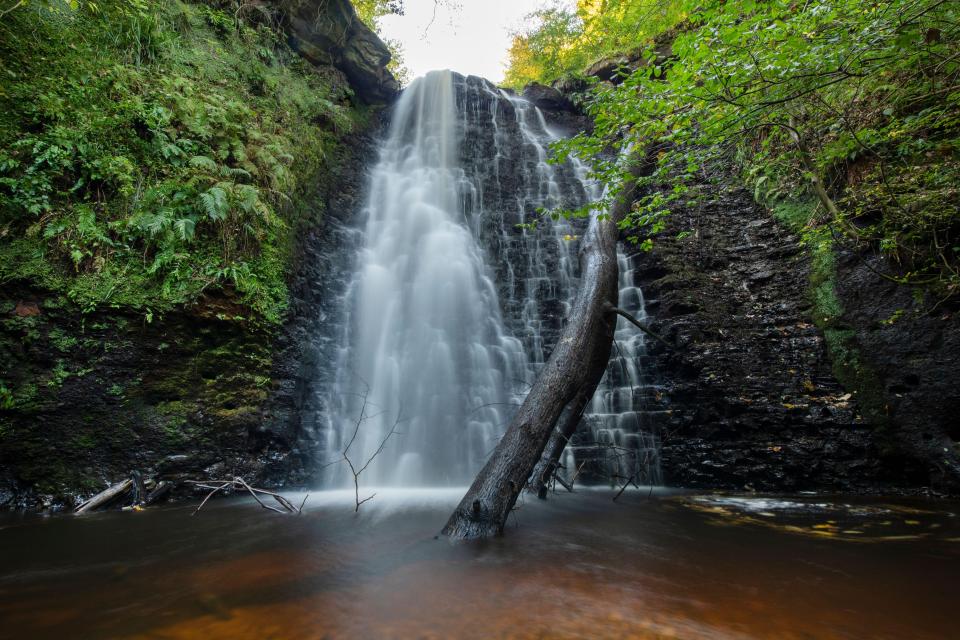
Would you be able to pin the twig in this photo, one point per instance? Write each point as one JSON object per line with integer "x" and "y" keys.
{"x": 239, "y": 483}
{"x": 624, "y": 314}
{"x": 624, "y": 487}
{"x": 209, "y": 495}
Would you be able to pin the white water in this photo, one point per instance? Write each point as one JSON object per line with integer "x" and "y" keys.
{"x": 428, "y": 351}
{"x": 430, "y": 369}
{"x": 624, "y": 435}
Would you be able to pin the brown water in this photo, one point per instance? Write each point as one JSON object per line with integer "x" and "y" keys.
{"x": 577, "y": 566}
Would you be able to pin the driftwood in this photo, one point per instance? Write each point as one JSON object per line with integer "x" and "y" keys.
{"x": 133, "y": 487}
{"x": 564, "y": 387}
{"x": 159, "y": 492}
{"x": 240, "y": 484}
{"x": 105, "y": 497}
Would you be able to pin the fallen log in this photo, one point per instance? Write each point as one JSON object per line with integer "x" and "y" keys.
{"x": 105, "y": 497}
{"x": 564, "y": 387}
{"x": 159, "y": 492}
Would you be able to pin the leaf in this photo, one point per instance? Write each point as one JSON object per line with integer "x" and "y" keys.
{"x": 215, "y": 205}
{"x": 205, "y": 163}
{"x": 185, "y": 228}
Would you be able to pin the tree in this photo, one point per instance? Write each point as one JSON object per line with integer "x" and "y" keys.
{"x": 561, "y": 392}
{"x": 850, "y": 106}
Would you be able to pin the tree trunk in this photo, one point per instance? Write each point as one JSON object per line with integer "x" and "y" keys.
{"x": 106, "y": 496}
{"x": 566, "y": 426}
{"x": 561, "y": 392}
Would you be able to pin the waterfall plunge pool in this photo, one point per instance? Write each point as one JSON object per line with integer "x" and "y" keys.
{"x": 661, "y": 565}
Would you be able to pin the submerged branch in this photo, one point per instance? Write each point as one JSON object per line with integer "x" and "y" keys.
{"x": 238, "y": 483}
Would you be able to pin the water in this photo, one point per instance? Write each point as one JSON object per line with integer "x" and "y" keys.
{"x": 428, "y": 361}
{"x": 453, "y": 308}
{"x": 619, "y": 438}
{"x": 576, "y": 566}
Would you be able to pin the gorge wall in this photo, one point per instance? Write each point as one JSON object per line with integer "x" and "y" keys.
{"x": 757, "y": 391}
{"x": 751, "y": 398}
{"x": 206, "y": 388}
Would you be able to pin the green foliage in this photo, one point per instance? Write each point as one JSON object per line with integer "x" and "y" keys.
{"x": 7, "y": 399}
{"x": 152, "y": 150}
{"x": 370, "y": 11}
{"x": 563, "y": 41}
{"x": 854, "y": 103}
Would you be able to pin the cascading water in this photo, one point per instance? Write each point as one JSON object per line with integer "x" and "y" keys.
{"x": 428, "y": 352}
{"x": 619, "y": 434}
{"x": 452, "y": 308}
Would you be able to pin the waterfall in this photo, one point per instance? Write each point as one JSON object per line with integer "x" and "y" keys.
{"x": 452, "y": 308}
{"x": 619, "y": 435}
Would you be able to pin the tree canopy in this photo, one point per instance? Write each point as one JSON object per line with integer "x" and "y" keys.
{"x": 853, "y": 104}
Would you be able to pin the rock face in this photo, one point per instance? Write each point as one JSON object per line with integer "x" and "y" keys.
{"x": 909, "y": 347}
{"x": 547, "y": 98}
{"x": 190, "y": 394}
{"x": 748, "y": 396}
{"x": 306, "y": 351}
{"x": 328, "y": 32}
{"x": 504, "y": 147}
{"x": 103, "y": 394}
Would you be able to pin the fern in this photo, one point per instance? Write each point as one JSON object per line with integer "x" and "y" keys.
{"x": 205, "y": 163}
{"x": 185, "y": 228}
{"x": 234, "y": 172}
{"x": 215, "y": 203}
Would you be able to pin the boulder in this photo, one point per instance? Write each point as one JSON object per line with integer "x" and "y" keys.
{"x": 328, "y": 32}
{"x": 547, "y": 97}
{"x": 606, "y": 68}
{"x": 613, "y": 68}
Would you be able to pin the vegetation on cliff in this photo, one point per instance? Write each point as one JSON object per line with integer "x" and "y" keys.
{"x": 160, "y": 164}
{"x": 151, "y": 151}
{"x": 856, "y": 104}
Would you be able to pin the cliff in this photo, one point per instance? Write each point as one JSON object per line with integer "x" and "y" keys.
{"x": 152, "y": 316}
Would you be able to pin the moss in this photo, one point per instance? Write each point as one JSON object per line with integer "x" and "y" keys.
{"x": 154, "y": 151}
{"x": 795, "y": 215}
{"x": 176, "y": 426}
{"x": 61, "y": 340}
{"x": 827, "y": 311}
{"x": 84, "y": 441}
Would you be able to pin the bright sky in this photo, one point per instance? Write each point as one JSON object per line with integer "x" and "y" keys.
{"x": 471, "y": 37}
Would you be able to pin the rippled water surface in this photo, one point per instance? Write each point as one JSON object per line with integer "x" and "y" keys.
{"x": 577, "y": 566}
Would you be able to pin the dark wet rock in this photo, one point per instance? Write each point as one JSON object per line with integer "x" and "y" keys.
{"x": 571, "y": 85}
{"x": 505, "y": 167}
{"x": 306, "y": 351}
{"x": 749, "y": 398}
{"x": 909, "y": 345}
{"x": 328, "y": 32}
{"x": 547, "y": 98}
